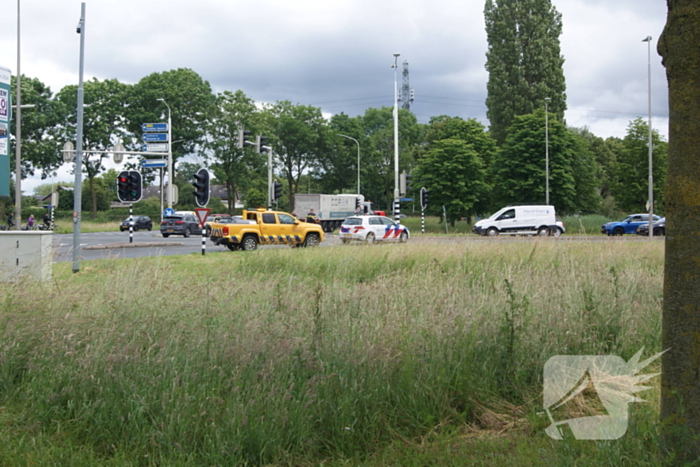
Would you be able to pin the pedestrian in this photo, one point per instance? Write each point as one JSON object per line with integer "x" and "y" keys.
{"x": 311, "y": 216}
{"x": 294, "y": 214}
{"x": 30, "y": 221}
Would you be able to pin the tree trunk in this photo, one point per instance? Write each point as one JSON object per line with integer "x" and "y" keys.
{"x": 679, "y": 46}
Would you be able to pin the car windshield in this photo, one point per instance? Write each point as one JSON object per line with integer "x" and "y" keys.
{"x": 353, "y": 221}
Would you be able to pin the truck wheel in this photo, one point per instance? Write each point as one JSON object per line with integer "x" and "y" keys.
{"x": 543, "y": 232}
{"x": 492, "y": 232}
{"x": 311, "y": 240}
{"x": 232, "y": 247}
{"x": 370, "y": 238}
{"x": 249, "y": 243}
{"x": 619, "y": 231}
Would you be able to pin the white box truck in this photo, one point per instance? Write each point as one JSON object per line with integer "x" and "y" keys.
{"x": 331, "y": 210}
{"x": 521, "y": 220}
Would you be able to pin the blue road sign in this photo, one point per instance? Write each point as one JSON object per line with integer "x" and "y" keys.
{"x": 155, "y": 137}
{"x": 154, "y": 163}
{"x": 154, "y": 127}
{"x": 168, "y": 212}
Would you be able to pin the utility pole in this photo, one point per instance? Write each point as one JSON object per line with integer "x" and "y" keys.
{"x": 397, "y": 208}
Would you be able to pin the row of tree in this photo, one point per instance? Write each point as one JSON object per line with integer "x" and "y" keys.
{"x": 459, "y": 161}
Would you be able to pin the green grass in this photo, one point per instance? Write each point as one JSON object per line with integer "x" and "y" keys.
{"x": 388, "y": 355}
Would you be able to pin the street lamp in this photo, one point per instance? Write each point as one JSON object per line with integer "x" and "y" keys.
{"x": 358, "y": 160}
{"x": 77, "y": 185}
{"x": 170, "y": 155}
{"x": 651, "y": 175}
{"x": 18, "y": 135}
{"x": 396, "y": 140}
{"x": 546, "y": 149}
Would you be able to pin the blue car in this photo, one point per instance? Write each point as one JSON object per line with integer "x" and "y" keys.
{"x": 628, "y": 225}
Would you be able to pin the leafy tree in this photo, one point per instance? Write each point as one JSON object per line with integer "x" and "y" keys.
{"x": 103, "y": 124}
{"x": 471, "y": 132}
{"x": 454, "y": 173}
{"x": 378, "y": 151}
{"x": 234, "y": 167}
{"x": 679, "y": 46}
{"x": 521, "y": 166}
{"x": 631, "y": 187}
{"x": 40, "y": 147}
{"x": 523, "y": 60}
{"x": 189, "y": 98}
{"x": 337, "y": 168}
{"x": 301, "y": 136}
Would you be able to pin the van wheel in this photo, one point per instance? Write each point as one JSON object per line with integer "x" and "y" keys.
{"x": 492, "y": 232}
{"x": 543, "y": 232}
{"x": 249, "y": 243}
{"x": 556, "y": 232}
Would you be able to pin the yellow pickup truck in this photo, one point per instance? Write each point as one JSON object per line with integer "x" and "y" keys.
{"x": 263, "y": 227}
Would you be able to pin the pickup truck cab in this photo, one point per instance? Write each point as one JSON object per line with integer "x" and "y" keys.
{"x": 263, "y": 227}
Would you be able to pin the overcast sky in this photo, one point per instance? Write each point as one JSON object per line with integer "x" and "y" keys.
{"x": 337, "y": 54}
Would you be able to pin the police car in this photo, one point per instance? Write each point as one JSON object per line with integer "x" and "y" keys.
{"x": 371, "y": 229}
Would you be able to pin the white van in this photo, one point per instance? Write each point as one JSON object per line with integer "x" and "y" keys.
{"x": 521, "y": 220}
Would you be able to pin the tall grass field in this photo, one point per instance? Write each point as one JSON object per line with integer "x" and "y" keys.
{"x": 359, "y": 355}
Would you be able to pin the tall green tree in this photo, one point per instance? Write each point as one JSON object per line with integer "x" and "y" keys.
{"x": 520, "y": 166}
{"x": 337, "y": 169}
{"x": 233, "y": 166}
{"x": 679, "y": 46}
{"x": 103, "y": 125}
{"x": 523, "y": 60}
{"x": 189, "y": 98}
{"x": 454, "y": 174}
{"x": 40, "y": 140}
{"x": 300, "y": 137}
{"x": 378, "y": 157}
{"x": 631, "y": 186}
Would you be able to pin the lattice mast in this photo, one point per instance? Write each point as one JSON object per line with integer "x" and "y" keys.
{"x": 406, "y": 92}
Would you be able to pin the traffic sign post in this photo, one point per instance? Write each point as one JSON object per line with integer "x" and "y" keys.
{"x": 155, "y": 137}
{"x": 202, "y": 214}
{"x": 154, "y": 127}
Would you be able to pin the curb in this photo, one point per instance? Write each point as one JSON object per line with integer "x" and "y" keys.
{"x": 111, "y": 246}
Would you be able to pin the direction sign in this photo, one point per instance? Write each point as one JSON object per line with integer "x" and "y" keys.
{"x": 154, "y": 163}
{"x": 155, "y": 137}
{"x": 168, "y": 212}
{"x": 202, "y": 214}
{"x": 155, "y": 147}
{"x": 154, "y": 127}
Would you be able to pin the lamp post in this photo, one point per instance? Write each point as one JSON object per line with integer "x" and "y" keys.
{"x": 358, "y": 160}
{"x": 77, "y": 185}
{"x": 18, "y": 145}
{"x": 546, "y": 149}
{"x": 651, "y": 175}
{"x": 170, "y": 155}
{"x": 396, "y": 140}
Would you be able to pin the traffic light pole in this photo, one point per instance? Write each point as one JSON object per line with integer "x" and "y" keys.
{"x": 269, "y": 179}
{"x": 131, "y": 222}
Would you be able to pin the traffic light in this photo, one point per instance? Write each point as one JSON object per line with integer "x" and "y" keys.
{"x": 201, "y": 187}
{"x": 357, "y": 203}
{"x": 276, "y": 190}
{"x": 123, "y": 186}
{"x": 261, "y": 144}
{"x": 129, "y": 186}
{"x": 243, "y": 138}
{"x": 423, "y": 198}
{"x": 135, "y": 186}
{"x": 404, "y": 183}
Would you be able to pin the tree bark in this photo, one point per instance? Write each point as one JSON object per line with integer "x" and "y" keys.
{"x": 679, "y": 46}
